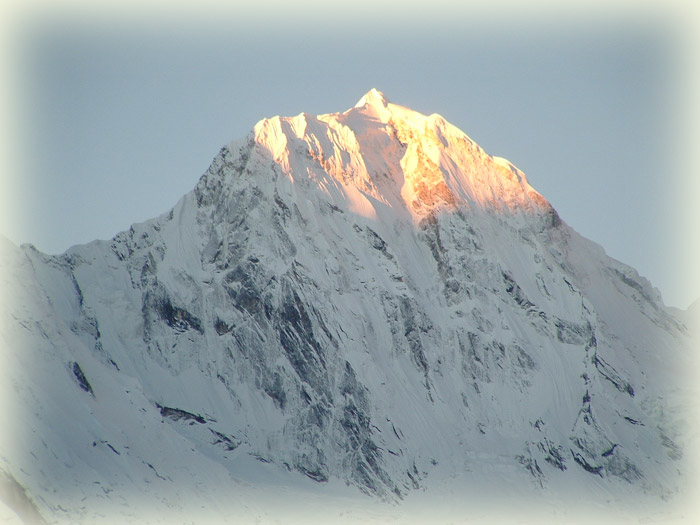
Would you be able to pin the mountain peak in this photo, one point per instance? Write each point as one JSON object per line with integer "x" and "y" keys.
{"x": 383, "y": 152}
{"x": 373, "y": 97}
{"x": 341, "y": 301}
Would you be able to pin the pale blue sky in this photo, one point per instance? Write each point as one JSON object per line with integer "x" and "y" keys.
{"x": 122, "y": 119}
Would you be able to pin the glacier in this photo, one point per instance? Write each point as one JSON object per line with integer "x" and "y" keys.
{"x": 352, "y": 317}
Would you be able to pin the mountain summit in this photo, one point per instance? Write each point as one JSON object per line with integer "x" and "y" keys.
{"x": 382, "y": 154}
{"x": 373, "y": 97}
{"x": 362, "y": 298}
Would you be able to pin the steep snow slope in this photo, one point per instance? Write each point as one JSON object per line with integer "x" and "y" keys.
{"x": 362, "y": 298}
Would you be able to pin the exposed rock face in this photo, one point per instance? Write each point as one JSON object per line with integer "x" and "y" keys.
{"x": 362, "y": 296}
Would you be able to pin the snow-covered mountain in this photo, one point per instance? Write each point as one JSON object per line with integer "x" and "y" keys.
{"x": 355, "y": 302}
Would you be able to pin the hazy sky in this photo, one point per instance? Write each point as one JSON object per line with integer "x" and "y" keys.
{"x": 121, "y": 113}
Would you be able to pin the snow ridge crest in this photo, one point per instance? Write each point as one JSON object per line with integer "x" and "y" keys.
{"x": 385, "y": 152}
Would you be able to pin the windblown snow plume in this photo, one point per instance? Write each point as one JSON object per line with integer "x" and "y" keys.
{"x": 349, "y": 315}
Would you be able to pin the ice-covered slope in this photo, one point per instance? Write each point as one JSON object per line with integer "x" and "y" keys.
{"x": 362, "y": 298}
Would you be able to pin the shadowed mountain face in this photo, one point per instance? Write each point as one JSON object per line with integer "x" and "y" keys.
{"x": 365, "y": 297}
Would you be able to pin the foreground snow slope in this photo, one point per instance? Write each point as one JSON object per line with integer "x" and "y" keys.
{"x": 346, "y": 304}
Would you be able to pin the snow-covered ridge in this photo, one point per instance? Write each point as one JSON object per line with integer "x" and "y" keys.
{"x": 353, "y": 303}
{"x": 408, "y": 161}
